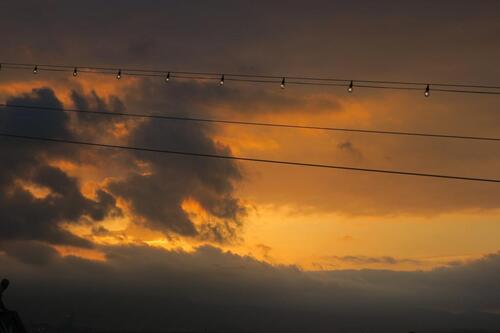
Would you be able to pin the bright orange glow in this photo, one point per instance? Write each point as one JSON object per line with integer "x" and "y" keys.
{"x": 316, "y": 220}
{"x": 36, "y": 190}
{"x": 81, "y": 253}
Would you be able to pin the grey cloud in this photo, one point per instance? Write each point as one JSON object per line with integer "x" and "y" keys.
{"x": 74, "y": 204}
{"x": 362, "y": 43}
{"x": 100, "y": 231}
{"x": 189, "y": 98}
{"x": 349, "y": 147}
{"x": 30, "y": 252}
{"x": 90, "y": 125}
{"x": 24, "y": 217}
{"x": 282, "y": 37}
{"x": 158, "y": 196}
{"x": 374, "y": 260}
{"x": 19, "y": 155}
{"x": 35, "y": 122}
{"x": 345, "y": 145}
{"x": 226, "y": 292}
{"x": 172, "y": 179}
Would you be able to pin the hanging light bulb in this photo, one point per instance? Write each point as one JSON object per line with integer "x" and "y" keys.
{"x": 35, "y": 70}
{"x": 350, "y": 89}
{"x": 427, "y": 91}
{"x": 75, "y": 72}
{"x": 119, "y": 75}
{"x": 283, "y": 83}
{"x": 222, "y": 80}
{"x": 167, "y": 78}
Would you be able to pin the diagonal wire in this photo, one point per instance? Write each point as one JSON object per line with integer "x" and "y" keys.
{"x": 248, "y": 159}
{"x": 249, "y": 123}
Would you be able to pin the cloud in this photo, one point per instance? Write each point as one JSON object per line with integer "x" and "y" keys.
{"x": 345, "y": 145}
{"x": 23, "y": 215}
{"x": 143, "y": 286}
{"x": 30, "y": 252}
{"x": 295, "y": 44}
{"x": 155, "y": 197}
{"x": 199, "y": 98}
{"x": 223, "y": 291}
{"x": 374, "y": 260}
{"x": 158, "y": 195}
{"x": 349, "y": 148}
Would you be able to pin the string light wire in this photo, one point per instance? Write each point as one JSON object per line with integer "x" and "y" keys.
{"x": 256, "y": 78}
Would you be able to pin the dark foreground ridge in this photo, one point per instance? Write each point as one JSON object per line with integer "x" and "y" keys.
{"x": 9, "y": 320}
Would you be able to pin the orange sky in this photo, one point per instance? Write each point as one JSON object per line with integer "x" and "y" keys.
{"x": 113, "y": 239}
{"x": 319, "y": 219}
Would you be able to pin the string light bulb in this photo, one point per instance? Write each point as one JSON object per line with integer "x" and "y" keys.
{"x": 351, "y": 87}
{"x": 119, "y": 75}
{"x": 222, "y": 80}
{"x": 75, "y": 72}
{"x": 167, "y": 78}
{"x": 283, "y": 83}
{"x": 35, "y": 70}
{"x": 427, "y": 91}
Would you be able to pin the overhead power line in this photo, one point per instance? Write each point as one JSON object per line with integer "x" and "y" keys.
{"x": 247, "y": 159}
{"x": 282, "y": 80}
{"x": 249, "y": 123}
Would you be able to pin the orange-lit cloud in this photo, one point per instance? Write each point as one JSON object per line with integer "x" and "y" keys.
{"x": 302, "y": 196}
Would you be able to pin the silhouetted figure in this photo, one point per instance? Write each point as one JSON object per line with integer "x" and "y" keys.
{"x": 3, "y": 285}
{"x": 9, "y": 320}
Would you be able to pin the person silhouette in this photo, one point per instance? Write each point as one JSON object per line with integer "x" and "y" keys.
{"x": 3, "y": 285}
{"x": 9, "y": 320}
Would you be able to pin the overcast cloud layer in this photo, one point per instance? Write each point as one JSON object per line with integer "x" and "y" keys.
{"x": 48, "y": 190}
{"x": 141, "y": 287}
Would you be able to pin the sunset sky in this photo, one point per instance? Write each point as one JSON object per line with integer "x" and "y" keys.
{"x": 222, "y": 233}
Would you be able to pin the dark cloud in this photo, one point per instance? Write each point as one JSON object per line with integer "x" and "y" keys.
{"x": 100, "y": 231}
{"x": 157, "y": 191}
{"x": 351, "y": 149}
{"x": 36, "y": 122}
{"x": 20, "y": 155}
{"x": 225, "y": 292}
{"x": 143, "y": 47}
{"x": 374, "y": 260}
{"x": 323, "y": 38}
{"x": 90, "y": 125}
{"x": 345, "y": 145}
{"x": 24, "y": 216}
{"x": 140, "y": 287}
{"x": 359, "y": 39}
{"x": 190, "y": 98}
{"x": 30, "y": 252}
{"x": 159, "y": 194}
{"x": 171, "y": 181}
